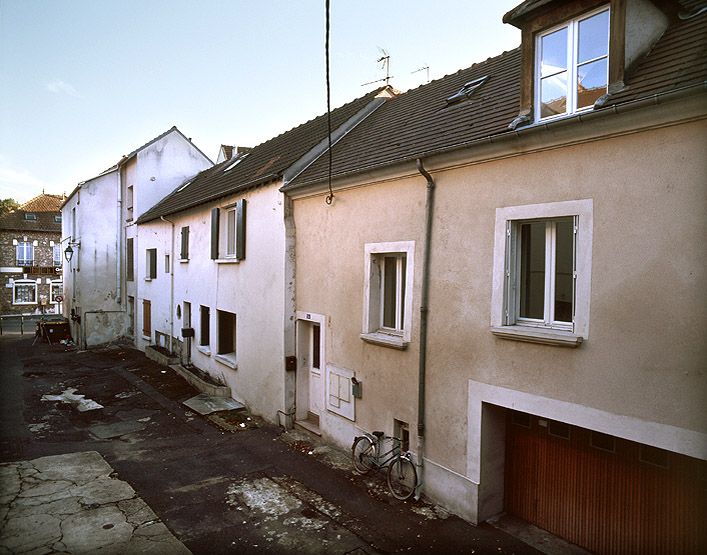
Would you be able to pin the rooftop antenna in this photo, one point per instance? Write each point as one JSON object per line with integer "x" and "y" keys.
{"x": 384, "y": 61}
{"x": 425, "y": 68}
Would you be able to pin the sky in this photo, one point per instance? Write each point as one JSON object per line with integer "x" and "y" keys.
{"x": 83, "y": 82}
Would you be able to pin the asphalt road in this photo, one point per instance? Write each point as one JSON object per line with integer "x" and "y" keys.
{"x": 229, "y": 483}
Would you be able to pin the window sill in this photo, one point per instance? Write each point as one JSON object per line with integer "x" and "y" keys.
{"x": 147, "y": 338}
{"x": 227, "y": 359}
{"x": 148, "y": 279}
{"x": 226, "y": 260}
{"x": 536, "y": 335}
{"x": 183, "y": 260}
{"x": 385, "y": 340}
{"x": 204, "y": 350}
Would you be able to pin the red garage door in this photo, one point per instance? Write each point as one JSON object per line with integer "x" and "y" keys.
{"x": 603, "y": 493}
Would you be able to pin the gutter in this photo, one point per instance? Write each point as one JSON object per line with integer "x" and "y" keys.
{"x": 652, "y": 100}
{"x": 424, "y": 309}
{"x": 171, "y": 287}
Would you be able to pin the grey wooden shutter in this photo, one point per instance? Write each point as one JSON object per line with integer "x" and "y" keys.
{"x": 214, "y": 233}
{"x": 240, "y": 229}
{"x": 185, "y": 243}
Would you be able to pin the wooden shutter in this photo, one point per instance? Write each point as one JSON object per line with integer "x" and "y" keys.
{"x": 240, "y": 229}
{"x": 152, "y": 262}
{"x": 146, "y": 318}
{"x": 214, "y": 233}
{"x": 184, "y": 254}
{"x": 130, "y": 260}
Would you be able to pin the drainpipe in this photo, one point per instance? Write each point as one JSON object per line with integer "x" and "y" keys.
{"x": 119, "y": 243}
{"x": 171, "y": 287}
{"x": 422, "y": 368}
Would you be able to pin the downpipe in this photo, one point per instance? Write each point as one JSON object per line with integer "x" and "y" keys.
{"x": 171, "y": 288}
{"x": 422, "y": 365}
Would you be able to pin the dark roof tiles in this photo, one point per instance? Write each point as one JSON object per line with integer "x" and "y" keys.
{"x": 420, "y": 123}
{"x": 262, "y": 164}
{"x": 45, "y": 207}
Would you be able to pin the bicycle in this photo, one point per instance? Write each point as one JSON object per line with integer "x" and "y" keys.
{"x": 368, "y": 453}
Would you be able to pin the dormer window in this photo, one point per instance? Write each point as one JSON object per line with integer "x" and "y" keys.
{"x": 30, "y": 216}
{"x": 572, "y": 65}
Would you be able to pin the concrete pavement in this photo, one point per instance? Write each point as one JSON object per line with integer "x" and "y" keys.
{"x": 219, "y": 484}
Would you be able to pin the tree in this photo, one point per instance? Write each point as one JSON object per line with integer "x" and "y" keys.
{"x": 8, "y": 205}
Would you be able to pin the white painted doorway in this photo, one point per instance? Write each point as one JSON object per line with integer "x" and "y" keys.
{"x": 310, "y": 364}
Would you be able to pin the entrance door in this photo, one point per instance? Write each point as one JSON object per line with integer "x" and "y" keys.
{"x": 310, "y": 358}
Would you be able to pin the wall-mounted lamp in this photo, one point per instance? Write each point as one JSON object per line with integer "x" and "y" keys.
{"x": 69, "y": 252}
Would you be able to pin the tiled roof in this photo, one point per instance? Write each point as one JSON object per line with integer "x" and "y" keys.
{"x": 45, "y": 207}
{"x": 264, "y": 163}
{"x": 419, "y": 122}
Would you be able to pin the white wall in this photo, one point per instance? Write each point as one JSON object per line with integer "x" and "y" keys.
{"x": 253, "y": 289}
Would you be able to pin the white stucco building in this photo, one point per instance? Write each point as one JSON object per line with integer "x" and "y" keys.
{"x": 97, "y": 225}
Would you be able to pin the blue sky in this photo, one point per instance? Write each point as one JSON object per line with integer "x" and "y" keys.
{"x": 83, "y": 82}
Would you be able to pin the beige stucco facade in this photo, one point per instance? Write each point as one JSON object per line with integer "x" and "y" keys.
{"x": 639, "y": 372}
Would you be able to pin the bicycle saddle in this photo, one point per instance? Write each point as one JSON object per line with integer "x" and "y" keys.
{"x": 379, "y": 434}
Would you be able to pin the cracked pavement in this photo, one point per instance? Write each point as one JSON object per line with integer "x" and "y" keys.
{"x": 145, "y": 474}
{"x": 72, "y": 504}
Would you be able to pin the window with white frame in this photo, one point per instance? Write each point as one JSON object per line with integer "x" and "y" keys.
{"x": 150, "y": 264}
{"x": 387, "y": 315}
{"x": 24, "y": 291}
{"x": 56, "y": 289}
{"x": 56, "y": 255}
{"x": 542, "y": 272}
{"x": 25, "y": 253}
{"x": 572, "y": 65}
{"x": 228, "y": 232}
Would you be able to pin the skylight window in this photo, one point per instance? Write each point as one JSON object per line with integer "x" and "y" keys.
{"x": 467, "y": 90}
{"x": 238, "y": 161}
{"x": 185, "y": 185}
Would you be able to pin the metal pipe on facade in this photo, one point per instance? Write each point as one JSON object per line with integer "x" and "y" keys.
{"x": 119, "y": 242}
{"x": 171, "y": 287}
{"x": 424, "y": 309}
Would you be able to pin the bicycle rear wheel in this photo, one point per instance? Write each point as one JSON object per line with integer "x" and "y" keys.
{"x": 364, "y": 455}
{"x": 402, "y": 478}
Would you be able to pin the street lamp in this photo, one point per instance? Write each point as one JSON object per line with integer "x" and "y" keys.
{"x": 69, "y": 252}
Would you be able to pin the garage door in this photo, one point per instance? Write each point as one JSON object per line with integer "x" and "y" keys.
{"x": 603, "y": 493}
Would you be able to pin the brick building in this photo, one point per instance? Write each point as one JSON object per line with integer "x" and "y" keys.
{"x": 31, "y": 257}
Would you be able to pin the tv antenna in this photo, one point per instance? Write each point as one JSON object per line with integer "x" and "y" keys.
{"x": 425, "y": 68}
{"x": 384, "y": 61}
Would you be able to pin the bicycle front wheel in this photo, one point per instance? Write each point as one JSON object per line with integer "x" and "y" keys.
{"x": 364, "y": 455}
{"x": 402, "y": 478}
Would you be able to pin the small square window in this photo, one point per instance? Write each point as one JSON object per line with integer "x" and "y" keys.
{"x": 30, "y": 216}
{"x": 228, "y": 227}
{"x": 520, "y": 418}
{"x": 653, "y": 455}
{"x": 558, "y": 429}
{"x": 24, "y": 292}
{"x": 387, "y": 318}
{"x": 603, "y": 441}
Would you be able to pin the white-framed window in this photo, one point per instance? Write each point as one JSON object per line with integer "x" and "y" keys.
{"x": 24, "y": 291}
{"x": 542, "y": 272}
{"x": 572, "y": 65}
{"x": 228, "y": 229}
{"x": 387, "y": 305}
{"x": 56, "y": 288}
{"x": 56, "y": 255}
{"x": 150, "y": 264}
{"x": 24, "y": 253}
